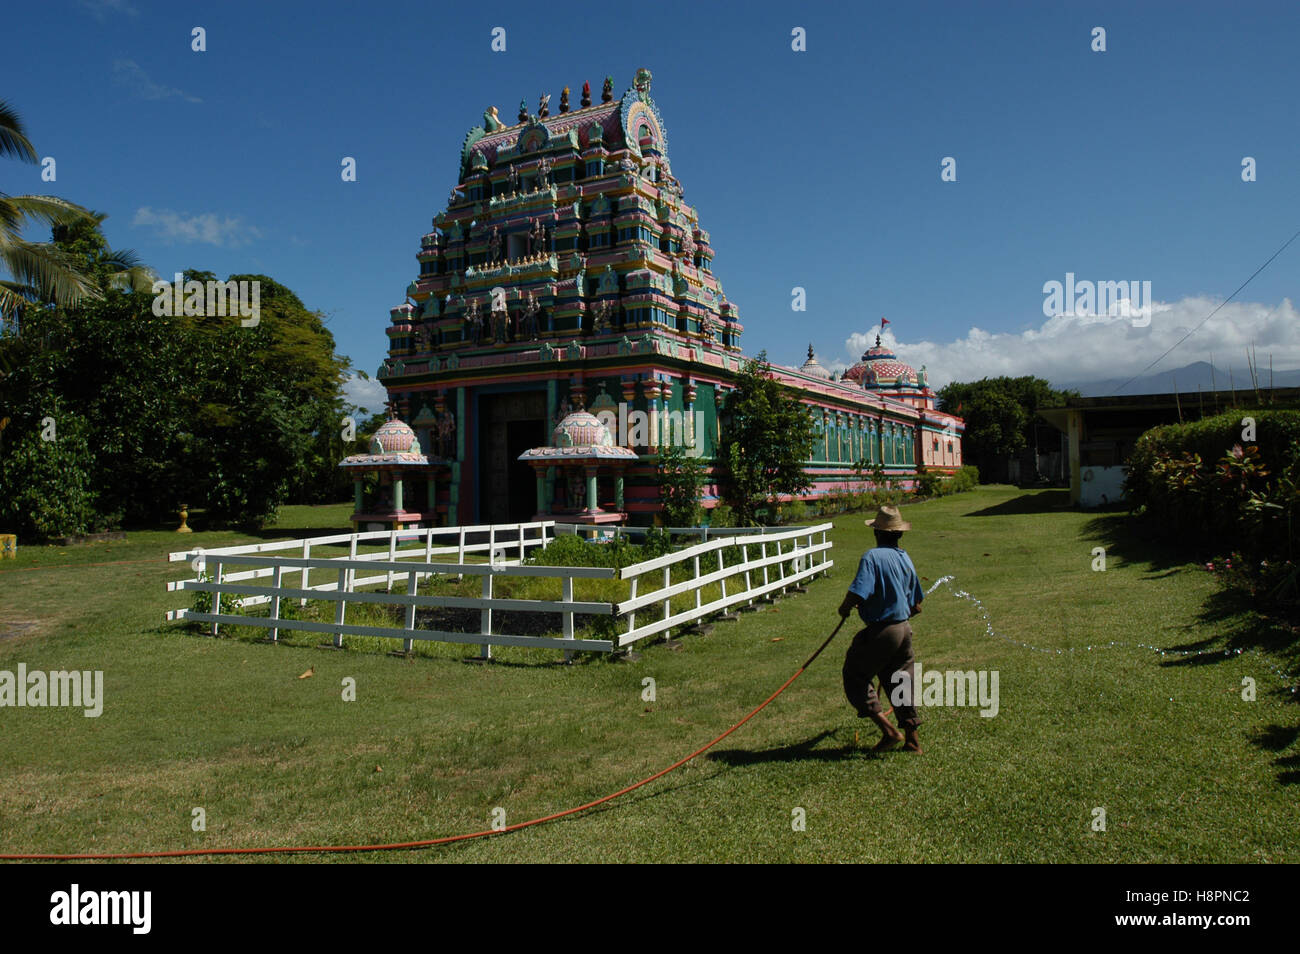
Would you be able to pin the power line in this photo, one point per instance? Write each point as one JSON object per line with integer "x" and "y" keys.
{"x": 1210, "y": 315}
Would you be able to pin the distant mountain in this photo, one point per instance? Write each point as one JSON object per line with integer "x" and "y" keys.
{"x": 1186, "y": 380}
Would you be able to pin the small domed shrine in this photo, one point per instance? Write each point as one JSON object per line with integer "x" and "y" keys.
{"x": 394, "y": 450}
{"x": 568, "y": 471}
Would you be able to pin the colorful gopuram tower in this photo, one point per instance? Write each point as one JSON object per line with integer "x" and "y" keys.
{"x": 568, "y": 272}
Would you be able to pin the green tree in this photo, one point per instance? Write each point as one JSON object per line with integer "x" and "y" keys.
{"x": 46, "y": 479}
{"x": 767, "y": 439}
{"x": 233, "y": 420}
{"x": 681, "y": 480}
{"x": 269, "y": 410}
{"x": 1000, "y": 415}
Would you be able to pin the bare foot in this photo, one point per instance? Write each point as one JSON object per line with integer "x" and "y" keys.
{"x": 889, "y": 737}
{"x": 913, "y": 743}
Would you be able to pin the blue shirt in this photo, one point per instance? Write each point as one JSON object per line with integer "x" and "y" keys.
{"x": 887, "y": 584}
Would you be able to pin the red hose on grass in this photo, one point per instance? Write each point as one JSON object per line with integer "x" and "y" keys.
{"x": 429, "y": 843}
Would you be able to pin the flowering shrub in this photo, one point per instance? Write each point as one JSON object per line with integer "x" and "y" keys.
{"x": 1206, "y": 485}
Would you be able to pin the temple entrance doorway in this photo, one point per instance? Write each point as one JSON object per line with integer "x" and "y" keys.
{"x": 509, "y": 424}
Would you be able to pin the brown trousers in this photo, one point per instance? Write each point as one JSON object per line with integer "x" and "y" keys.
{"x": 878, "y": 652}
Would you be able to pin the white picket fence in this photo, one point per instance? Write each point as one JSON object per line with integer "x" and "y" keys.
{"x": 771, "y": 561}
{"x": 779, "y": 557}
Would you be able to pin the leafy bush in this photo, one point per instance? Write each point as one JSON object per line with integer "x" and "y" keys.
{"x": 658, "y": 541}
{"x": 861, "y": 499}
{"x": 1207, "y": 485}
{"x": 201, "y": 600}
{"x": 1277, "y": 435}
{"x": 929, "y": 483}
{"x": 832, "y": 502}
{"x": 968, "y": 478}
{"x": 572, "y": 550}
{"x": 1201, "y": 478}
{"x": 722, "y": 516}
{"x": 681, "y": 480}
{"x": 794, "y": 511}
{"x": 45, "y": 485}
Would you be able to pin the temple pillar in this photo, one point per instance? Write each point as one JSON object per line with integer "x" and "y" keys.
{"x": 453, "y": 495}
{"x": 397, "y": 491}
{"x": 357, "y": 497}
{"x": 433, "y": 493}
{"x": 552, "y": 418}
{"x": 629, "y": 406}
{"x": 460, "y": 424}
{"x": 618, "y": 492}
{"x": 666, "y": 435}
{"x": 592, "y": 507}
{"x": 688, "y": 419}
{"x": 541, "y": 490}
{"x": 651, "y": 389}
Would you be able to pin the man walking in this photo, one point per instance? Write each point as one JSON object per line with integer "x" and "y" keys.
{"x": 886, "y": 594}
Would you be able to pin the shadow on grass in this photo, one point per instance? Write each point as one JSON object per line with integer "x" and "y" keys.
{"x": 1042, "y": 501}
{"x": 1276, "y": 738}
{"x": 1123, "y": 538}
{"x": 1235, "y": 626}
{"x": 805, "y": 751}
{"x": 292, "y": 639}
{"x": 1229, "y": 618}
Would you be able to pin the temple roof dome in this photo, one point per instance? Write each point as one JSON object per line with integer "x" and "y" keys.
{"x": 394, "y": 437}
{"x": 581, "y": 429}
{"x": 880, "y": 368}
{"x": 812, "y": 368}
{"x": 581, "y": 437}
{"x": 393, "y": 447}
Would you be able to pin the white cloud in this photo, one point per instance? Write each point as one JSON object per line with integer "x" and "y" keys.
{"x": 208, "y": 227}
{"x": 130, "y": 74}
{"x": 367, "y": 395}
{"x": 1068, "y": 349}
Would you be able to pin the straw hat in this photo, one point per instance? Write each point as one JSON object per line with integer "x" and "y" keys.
{"x": 889, "y": 519}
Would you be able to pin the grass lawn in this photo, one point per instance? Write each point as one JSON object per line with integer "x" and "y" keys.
{"x": 1185, "y": 769}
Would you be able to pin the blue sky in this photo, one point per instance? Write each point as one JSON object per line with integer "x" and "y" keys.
{"x": 818, "y": 169}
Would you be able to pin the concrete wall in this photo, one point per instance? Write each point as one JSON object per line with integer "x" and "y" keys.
{"x": 1101, "y": 485}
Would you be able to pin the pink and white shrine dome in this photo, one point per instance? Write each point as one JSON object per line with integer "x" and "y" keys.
{"x": 393, "y": 447}
{"x": 880, "y": 368}
{"x": 581, "y": 429}
{"x": 581, "y": 435}
{"x": 394, "y": 437}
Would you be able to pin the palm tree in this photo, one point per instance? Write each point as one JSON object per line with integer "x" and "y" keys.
{"x": 41, "y": 271}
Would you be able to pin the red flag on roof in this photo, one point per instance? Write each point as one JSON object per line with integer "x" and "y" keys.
{"x": 883, "y": 322}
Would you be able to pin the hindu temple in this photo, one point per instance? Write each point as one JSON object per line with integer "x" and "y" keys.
{"x": 568, "y": 274}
